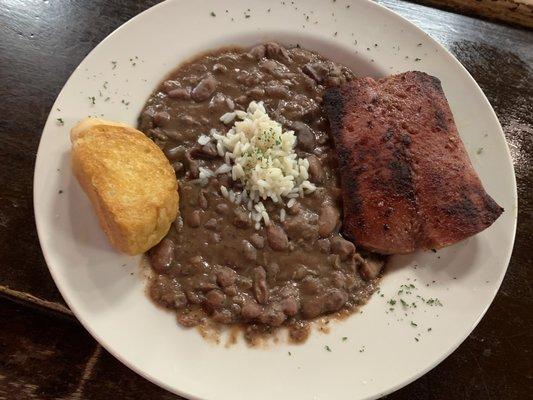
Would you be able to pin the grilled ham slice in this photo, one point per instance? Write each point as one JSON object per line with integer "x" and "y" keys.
{"x": 406, "y": 177}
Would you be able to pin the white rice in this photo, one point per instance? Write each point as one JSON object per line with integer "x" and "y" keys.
{"x": 200, "y": 182}
{"x": 291, "y": 202}
{"x": 204, "y": 139}
{"x": 227, "y": 118}
{"x": 205, "y": 173}
{"x": 242, "y": 114}
{"x": 223, "y": 169}
{"x": 220, "y": 149}
{"x": 261, "y": 156}
{"x": 230, "y": 103}
{"x": 266, "y": 218}
{"x": 224, "y": 191}
{"x": 256, "y": 216}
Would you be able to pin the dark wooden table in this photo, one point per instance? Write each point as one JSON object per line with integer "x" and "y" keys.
{"x": 44, "y": 351}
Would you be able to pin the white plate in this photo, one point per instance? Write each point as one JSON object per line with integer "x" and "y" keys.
{"x": 380, "y": 354}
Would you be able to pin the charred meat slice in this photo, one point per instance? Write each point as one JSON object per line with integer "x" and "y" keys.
{"x": 407, "y": 180}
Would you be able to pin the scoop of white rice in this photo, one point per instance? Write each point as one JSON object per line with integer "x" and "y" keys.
{"x": 262, "y": 157}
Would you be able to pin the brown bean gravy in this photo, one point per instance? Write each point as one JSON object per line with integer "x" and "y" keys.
{"x": 214, "y": 265}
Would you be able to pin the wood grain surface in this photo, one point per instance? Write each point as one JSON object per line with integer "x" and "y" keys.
{"x": 518, "y": 12}
{"x": 46, "y": 354}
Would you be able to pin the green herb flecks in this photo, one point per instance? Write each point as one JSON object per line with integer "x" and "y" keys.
{"x": 434, "y": 302}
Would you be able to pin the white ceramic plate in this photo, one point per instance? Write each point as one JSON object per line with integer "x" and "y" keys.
{"x": 383, "y": 350}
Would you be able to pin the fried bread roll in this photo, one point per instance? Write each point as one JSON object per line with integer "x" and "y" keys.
{"x": 129, "y": 181}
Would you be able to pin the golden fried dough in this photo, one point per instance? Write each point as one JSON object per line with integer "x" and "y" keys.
{"x": 129, "y": 181}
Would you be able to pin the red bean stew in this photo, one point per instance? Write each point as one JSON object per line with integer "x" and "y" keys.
{"x": 213, "y": 265}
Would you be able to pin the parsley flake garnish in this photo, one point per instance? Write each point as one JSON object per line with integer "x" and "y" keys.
{"x": 434, "y": 302}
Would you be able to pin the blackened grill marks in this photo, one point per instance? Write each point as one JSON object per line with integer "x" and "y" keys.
{"x": 335, "y": 104}
{"x": 402, "y": 179}
{"x": 464, "y": 208}
{"x": 387, "y": 135}
{"x": 492, "y": 206}
{"x": 471, "y": 201}
{"x": 350, "y": 185}
{"x": 435, "y": 83}
{"x": 405, "y": 139}
{"x": 440, "y": 120}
